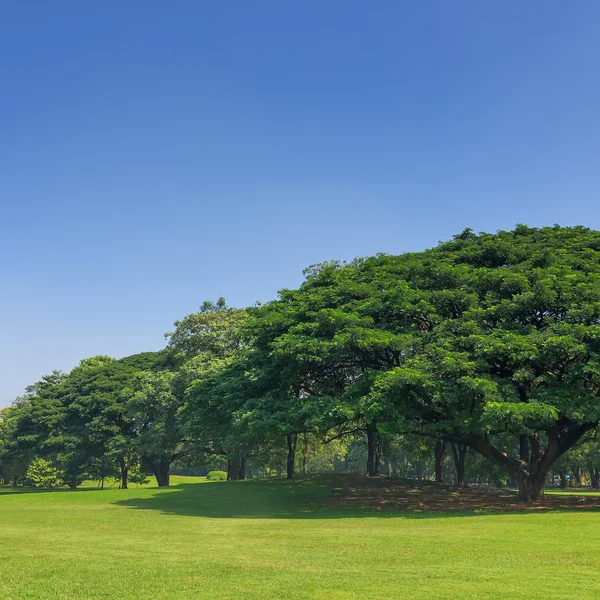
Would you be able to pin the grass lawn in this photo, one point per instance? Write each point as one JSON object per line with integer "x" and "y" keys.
{"x": 271, "y": 539}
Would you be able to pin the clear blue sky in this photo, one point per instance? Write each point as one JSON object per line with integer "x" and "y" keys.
{"x": 154, "y": 155}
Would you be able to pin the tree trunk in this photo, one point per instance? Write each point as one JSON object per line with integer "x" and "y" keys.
{"x": 418, "y": 470}
{"x": 305, "y": 453}
{"x": 236, "y": 468}
{"x": 161, "y": 472}
{"x": 531, "y": 489}
{"x": 124, "y": 473}
{"x": 14, "y": 481}
{"x": 440, "y": 456}
{"x": 232, "y": 469}
{"x": 563, "y": 479}
{"x": 595, "y": 473}
{"x": 532, "y": 476}
{"x": 378, "y": 453}
{"x": 524, "y": 448}
{"x": 371, "y": 449}
{"x": 459, "y": 452}
{"x": 292, "y": 440}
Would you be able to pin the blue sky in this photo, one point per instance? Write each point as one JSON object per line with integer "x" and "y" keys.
{"x": 154, "y": 155}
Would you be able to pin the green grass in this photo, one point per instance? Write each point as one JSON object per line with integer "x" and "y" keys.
{"x": 574, "y": 492}
{"x": 270, "y": 539}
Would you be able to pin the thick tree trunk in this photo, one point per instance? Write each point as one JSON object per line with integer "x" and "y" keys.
{"x": 305, "y": 453}
{"x": 232, "y": 469}
{"x": 371, "y": 449}
{"x": 292, "y": 440}
{"x": 161, "y": 472}
{"x": 595, "y": 474}
{"x": 14, "y": 482}
{"x": 459, "y": 452}
{"x": 532, "y": 488}
{"x": 532, "y": 476}
{"x": 236, "y": 468}
{"x": 440, "y": 457}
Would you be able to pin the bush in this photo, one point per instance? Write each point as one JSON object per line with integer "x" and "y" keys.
{"x": 217, "y": 476}
{"x": 42, "y": 473}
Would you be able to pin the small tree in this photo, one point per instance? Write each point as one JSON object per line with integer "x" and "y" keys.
{"x": 42, "y": 473}
{"x": 137, "y": 474}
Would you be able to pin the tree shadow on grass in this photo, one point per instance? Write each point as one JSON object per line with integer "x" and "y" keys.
{"x": 249, "y": 499}
{"x": 341, "y": 497}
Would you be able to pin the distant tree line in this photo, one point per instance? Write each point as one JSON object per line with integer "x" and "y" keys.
{"x": 477, "y": 360}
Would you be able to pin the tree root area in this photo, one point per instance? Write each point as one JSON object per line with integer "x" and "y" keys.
{"x": 385, "y": 494}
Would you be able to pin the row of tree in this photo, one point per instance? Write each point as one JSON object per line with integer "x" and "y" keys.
{"x": 487, "y": 345}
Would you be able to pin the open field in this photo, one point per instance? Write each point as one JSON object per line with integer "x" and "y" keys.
{"x": 313, "y": 538}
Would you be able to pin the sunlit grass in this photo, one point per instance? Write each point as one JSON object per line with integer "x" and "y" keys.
{"x": 574, "y": 492}
{"x": 112, "y": 484}
{"x": 270, "y": 539}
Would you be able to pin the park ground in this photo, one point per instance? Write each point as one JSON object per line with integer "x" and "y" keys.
{"x": 328, "y": 538}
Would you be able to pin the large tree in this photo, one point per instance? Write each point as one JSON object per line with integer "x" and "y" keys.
{"x": 479, "y": 339}
{"x": 329, "y": 339}
{"x": 513, "y": 348}
{"x": 207, "y": 348}
{"x": 154, "y": 407}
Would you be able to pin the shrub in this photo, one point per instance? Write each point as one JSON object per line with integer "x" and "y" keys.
{"x": 217, "y": 476}
{"x": 42, "y": 473}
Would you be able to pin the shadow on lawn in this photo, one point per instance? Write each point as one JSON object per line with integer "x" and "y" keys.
{"x": 250, "y": 499}
{"x": 341, "y": 497}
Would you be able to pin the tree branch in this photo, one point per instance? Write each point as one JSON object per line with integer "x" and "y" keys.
{"x": 344, "y": 433}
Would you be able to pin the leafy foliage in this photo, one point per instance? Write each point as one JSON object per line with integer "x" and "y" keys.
{"x": 217, "y": 476}
{"x": 42, "y": 473}
{"x": 487, "y": 341}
